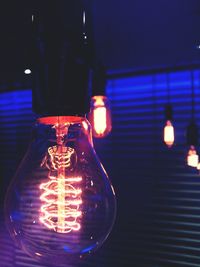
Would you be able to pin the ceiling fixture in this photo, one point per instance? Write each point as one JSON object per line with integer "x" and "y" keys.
{"x": 168, "y": 129}
{"x": 60, "y": 205}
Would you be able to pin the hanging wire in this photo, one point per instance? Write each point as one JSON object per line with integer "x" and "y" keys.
{"x": 153, "y": 92}
{"x": 192, "y": 95}
{"x": 154, "y": 119}
{"x": 168, "y": 87}
{"x": 192, "y": 130}
{"x": 168, "y": 107}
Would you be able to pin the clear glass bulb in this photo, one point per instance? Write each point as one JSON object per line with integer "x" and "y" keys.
{"x": 192, "y": 157}
{"x": 169, "y": 134}
{"x": 60, "y": 205}
{"x": 100, "y": 116}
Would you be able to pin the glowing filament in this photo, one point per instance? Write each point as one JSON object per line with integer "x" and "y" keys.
{"x": 192, "y": 157}
{"x": 61, "y": 196}
{"x": 169, "y": 134}
{"x": 100, "y": 116}
{"x": 59, "y": 159}
{"x": 100, "y": 124}
{"x": 62, "y": 201}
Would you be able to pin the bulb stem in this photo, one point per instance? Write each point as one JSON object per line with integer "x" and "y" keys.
{"x": 61, "y": 132}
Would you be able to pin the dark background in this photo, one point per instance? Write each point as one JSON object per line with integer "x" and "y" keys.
{"x": 128, "y": 34}
{"x": 140, "y": 42}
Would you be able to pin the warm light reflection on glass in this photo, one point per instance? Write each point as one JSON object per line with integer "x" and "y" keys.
{"x": 192, "y": 157}
{"x": 100, "y": 116}
{"x": 169, "y": 134}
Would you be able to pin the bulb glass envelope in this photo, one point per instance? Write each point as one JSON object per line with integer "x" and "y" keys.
{"x": 100, "y": 116}
{"x": 192, "y": 157}
{"x": 169, "y": 134}
{"x": 60, "y": 205}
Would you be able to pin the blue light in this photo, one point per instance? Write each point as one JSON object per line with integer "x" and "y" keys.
{"x": 17, "y": 216}
{"x": 66, "y": 248}
{"x": 16, "y": 97}
{"x": 15, "y": 102}
{"x": 85, "y": 250}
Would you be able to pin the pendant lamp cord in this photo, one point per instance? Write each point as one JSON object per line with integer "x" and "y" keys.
{"x": 168, "y": 88}
{"x": 192, "y": 95}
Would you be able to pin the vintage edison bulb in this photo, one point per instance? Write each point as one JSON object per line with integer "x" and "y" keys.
{"x": 192, "y": 157}
{"x": 169, "y": 134}
{"x": 100, "y": 116}
{"x": 60, "y": 205}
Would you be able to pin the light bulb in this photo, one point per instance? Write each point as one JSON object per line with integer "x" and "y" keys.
{"x": 60, "y": 205}
{"x": 198, "y": 166}
{"x": 192, "y": 157}
{"x": 27, "y": 71}
{"x": 100, "y": 116}
{"x": 169, "y": 134}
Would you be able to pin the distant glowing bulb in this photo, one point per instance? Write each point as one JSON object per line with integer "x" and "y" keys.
{"x": 169, "y": 134}
{"x": 100, "y": 120}
{"x": 192, "y": 157}
{"x": 198, "y": 166}
{"x": 100, "y": 116}
{"x": 27, "y": 71}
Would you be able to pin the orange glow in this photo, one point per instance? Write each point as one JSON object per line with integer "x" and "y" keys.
{"x": 61, "y": 196}
{"x": 192, "y": 157}
{"x": 53, "y": 120}
{"x": 98, "y": 100}
{"x": 62, "y": 201}
{"x": 169, "y": 134}
{"x": 100, "y": 120}
{"x": 60, "y": 160}
{"x": 100, "y": 116}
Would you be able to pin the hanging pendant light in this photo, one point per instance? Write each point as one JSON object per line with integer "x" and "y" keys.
{"x": 100, "y": 116}
{"x": 192, "y": 132}
{"x": 168, "y": 129}
{"x": 60, "y": 206}
{"x": 100, "y": 112}
{"x": 192, "y": 141}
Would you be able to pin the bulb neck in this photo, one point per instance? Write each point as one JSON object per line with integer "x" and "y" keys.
{"x": 99, "y": 80}
{"x": 168, "y": 112}
{"x": 192, "y": 134}
{"x": 70, "y": 127}
{"x": 53, "y": 120}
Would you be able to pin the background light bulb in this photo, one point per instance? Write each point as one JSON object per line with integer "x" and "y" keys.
{"x": 61, "y": 205}
{"x": 192, "y": 157}
{"x": 169, "y": 134}
{"x": 198, "y": 166}
{"x": 100, "y": 116}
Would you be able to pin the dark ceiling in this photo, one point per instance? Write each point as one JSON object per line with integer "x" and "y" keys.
{"x": 129, "y": 34}
{"x": 141, "y": 33}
